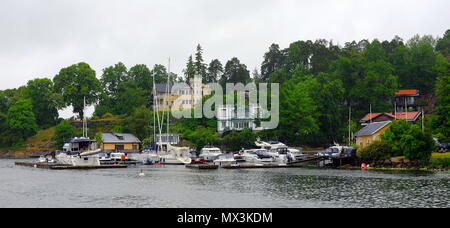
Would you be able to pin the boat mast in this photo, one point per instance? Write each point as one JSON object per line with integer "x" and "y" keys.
{"x": 168, "y": 106}
{"x": 84, "y": 119}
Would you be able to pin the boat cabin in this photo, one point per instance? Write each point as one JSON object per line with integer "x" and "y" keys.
{"x": 79, "y": 145}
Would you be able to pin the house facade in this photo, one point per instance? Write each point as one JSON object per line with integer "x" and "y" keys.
{"x": 180, "y": 95}
{"x": 371, "y": 133}
{"x": 234, "y": 118}
{"x": 118, "y": 142}
{"x": 406, "y": 99}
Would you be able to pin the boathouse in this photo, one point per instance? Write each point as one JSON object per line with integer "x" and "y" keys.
{"x": 119, "y": 142}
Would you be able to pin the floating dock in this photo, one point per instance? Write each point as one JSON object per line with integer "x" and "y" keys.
{"x": 261, "y": 166}
{"x": 61, "y": 167}
{"x": 202, "y": 166}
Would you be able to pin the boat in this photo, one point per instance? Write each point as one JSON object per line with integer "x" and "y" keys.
{"x": 280, "y": 152}
{"x": 209, "y": 153}
{"x": 175, "y": 156}
{"x": 256, "y": 156}
{"x": 225, "y": 159}
{"x": 338, "y": 151}
{"x": 79, "y": 152}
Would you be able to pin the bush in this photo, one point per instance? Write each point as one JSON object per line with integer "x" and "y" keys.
{"x": 64, "y": 131}
{"x": 443, "y": 162}
{"x": 409, "y": 140}
{"x": 107, "y": 116}
{"x": 379, "y": 150}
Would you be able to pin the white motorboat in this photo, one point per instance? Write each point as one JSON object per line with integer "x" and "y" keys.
{"x": 224, "y": 159}
{"x": 79, "y": 152}
{"x": 209, "y": 153}
{"x": 256, "y": 156}
{"x": 280, "y": 152}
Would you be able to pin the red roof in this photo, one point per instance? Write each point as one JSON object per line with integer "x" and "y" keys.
{"x": 400, "y": 116}
{"x": 407, "y": 115}
{"x": 407, "y": 92}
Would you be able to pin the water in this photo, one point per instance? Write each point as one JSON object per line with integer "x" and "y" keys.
{"x": 175, "y": 186}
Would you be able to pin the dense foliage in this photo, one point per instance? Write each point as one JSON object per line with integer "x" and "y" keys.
{"x": 64, "y": 131}
{"x": 409, "y": 140}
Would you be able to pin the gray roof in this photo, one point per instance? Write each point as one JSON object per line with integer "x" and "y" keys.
{"x": 372, "y": 128}
{"x": 162, "y": 87}
{"x": 119, "y": 138}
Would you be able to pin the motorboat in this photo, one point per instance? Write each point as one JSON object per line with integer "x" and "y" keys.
{"x": 338, "y": 151}
{"x": 224, "y": 159}
{"x": 257, "y": 156}
{"x": 209, "y": 153}
{"x": 46, "y": 159}
{"x": 280, "y": 152}
{"x": 79, "y": 152}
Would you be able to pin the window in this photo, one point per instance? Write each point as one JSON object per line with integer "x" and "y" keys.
{"x": 224, "y": 124}
{"x": 119, "y": 147}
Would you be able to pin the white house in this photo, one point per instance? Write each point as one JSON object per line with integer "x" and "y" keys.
{"x": 231, "y": 117}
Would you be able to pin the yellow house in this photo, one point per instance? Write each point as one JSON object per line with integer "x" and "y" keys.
{"x": 180, "y": 95}
{"x": 371, "y": 133}
{"x": 117, "y": 142}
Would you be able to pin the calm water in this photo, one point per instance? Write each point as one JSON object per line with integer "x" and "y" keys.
{"x": 173, "y": 186}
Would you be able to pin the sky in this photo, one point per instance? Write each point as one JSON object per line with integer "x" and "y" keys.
{"x": 39, "y": 37}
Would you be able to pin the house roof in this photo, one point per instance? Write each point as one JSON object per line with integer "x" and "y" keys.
{"x": 408, "y": 92}
{"x": 162, "y": 87}
{"x": 410, "y": 116}
{"x": 372, "y": 128}
{"x": 119, "y": 138}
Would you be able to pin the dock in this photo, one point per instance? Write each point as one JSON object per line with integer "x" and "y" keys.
{"x": 63, "y": 167}
{"x": 202, "y": 166}
{"x": 261, "y": 166}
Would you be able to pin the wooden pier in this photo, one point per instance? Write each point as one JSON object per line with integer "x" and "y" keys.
{"x": 202, "y": 166}
{"x": 62, "y": 167}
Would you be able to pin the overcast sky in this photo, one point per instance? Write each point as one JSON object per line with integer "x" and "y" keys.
{"x": 39, "y": 37}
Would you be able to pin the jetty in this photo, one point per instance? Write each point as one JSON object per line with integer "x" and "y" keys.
{"x": 202, "y": 166}
{"x": 63, "y": 167}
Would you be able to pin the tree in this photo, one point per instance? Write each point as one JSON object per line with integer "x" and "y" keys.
{"x": 215, "y": 71}
{"x": 443, "y": 105}
{"x": 409, "y": 140}
{"x": 45, "y": 101}
{"x": 21, "y": 119}
{"x": 190, "y": 70}
{"x": 235, "y": 72}
{"x": 273, "y": 60}
{"x": 420, "y": 63}
{"x": 202, "y": 137}
{"x": 235, "y": 141}
{"x": 200, "y": 66}
{"x": 298, "y": 113}
{"x": 75, "y": 83}
{"x": 443, "y": 44}
{"x": 63, "y": 132}
{"x": 139, "y": 122}
{"x": 112, "y": 77}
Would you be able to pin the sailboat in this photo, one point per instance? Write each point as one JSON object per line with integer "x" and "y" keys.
{"x": 80, "y": 151}
{"x": 171, "y": 155}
